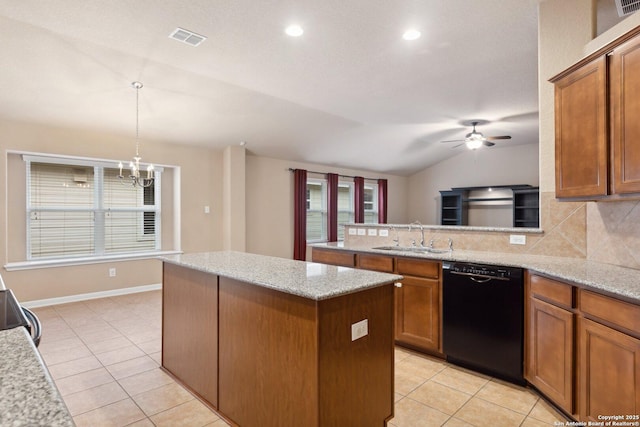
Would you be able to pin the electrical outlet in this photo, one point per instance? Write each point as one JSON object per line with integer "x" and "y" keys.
{"x": 518, "y": 239}
{"x": 362, "y": 232}
{"x": 372, "y": 232}
{"x": 207, "y": 209}
{"x": 352, "y": 231}
{"x": 359, "y": 329}
{"x": 383, "y": 233}
{"x": 112, "y": 272}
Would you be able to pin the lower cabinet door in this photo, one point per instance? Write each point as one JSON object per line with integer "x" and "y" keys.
{"x": 609, "y": 372}
{"x": 417, "y": 313}
{"x": 550, "y": 352}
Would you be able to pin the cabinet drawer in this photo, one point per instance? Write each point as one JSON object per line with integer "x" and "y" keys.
{"x": 375, "y": 262}
{"x": 551, "y": 290}
{"x": 418, "y": 267}
{"x": 616, "y": 312}
{"x": 346, "y": 259}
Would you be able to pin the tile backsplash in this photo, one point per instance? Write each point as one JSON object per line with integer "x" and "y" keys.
{"x": 606, "y": 232}
{"x": 614, "y": 233}
{"x": 563, "y": 234}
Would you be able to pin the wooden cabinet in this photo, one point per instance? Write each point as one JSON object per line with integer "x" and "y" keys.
{"x": 596, "y": 123}
{"x": 624, "y": 73}
{"x": 550, "y": 339}
{"x": 375, "y": 262}
{"x": 609, "y": 356}
{"x": 190, "y": 301}
{"x": 581, "y": 131}
{"x": 609, "y": 372}
{"x": 418, "y": 305}
{"x": 583, "y": 349}
{"x": 333, "y": 257}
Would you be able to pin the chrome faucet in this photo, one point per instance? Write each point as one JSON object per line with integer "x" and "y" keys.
{"x": 397, "y": 238}
{"x": 421, "y": 232}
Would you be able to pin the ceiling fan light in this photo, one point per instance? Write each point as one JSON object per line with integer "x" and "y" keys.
{"x": 473, "y": 143}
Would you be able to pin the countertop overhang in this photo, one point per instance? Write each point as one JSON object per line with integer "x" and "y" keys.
{"x": 305, "y": 279}
{"x": 618, "y": 281}
{"x": 29, "y": 395}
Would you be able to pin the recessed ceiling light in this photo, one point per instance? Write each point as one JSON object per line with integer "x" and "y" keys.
{"x": 411, "y": 34}
{"x": 294, "y": 30}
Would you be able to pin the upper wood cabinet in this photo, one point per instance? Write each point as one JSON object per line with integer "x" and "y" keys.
{"x": 596, "y": 123}
{"x": 581, "y": 131}
{"x": 624, "y": 69}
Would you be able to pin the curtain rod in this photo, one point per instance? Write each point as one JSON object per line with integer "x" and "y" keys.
{"x": 344, "y": 176}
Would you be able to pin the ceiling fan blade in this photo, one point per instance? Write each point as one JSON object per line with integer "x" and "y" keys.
{"x": 456, "y": 146}
{"x": 490, "y": 138}
{"x": 488, "y": 144}
{"x": 453, "y": 140}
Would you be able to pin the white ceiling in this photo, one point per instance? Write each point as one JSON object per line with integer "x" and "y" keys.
{"x": 350, "y": 92}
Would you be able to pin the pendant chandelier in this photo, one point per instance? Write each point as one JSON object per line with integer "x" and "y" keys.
{"x": 135, "y": 178}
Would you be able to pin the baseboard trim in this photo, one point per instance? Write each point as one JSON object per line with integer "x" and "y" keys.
{"x": 91, "y": 295}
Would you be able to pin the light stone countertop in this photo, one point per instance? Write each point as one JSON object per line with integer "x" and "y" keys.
{"x": 29, "y": 396}
{"x": 304, "y": 279}
{"x": 618, "y": 281}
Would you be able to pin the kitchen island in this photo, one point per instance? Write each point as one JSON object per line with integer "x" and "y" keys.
{"x": 274, "y": 342}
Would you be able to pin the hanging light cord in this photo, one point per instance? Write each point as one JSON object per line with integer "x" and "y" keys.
{"x": 137, "y": 86}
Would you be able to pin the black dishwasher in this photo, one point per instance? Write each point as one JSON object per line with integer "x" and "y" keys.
{"x": 483, "y": 317}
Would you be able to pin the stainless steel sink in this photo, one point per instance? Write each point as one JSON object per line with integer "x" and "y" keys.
{"x": 414, "y": 249}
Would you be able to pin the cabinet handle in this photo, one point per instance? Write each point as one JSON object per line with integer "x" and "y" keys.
{"x": 398, "y": 284}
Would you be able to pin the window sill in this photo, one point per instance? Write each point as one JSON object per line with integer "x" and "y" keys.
{"x": 64, "y": 262}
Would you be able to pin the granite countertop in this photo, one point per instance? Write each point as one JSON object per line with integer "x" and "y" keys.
{"x": 305, "y": 279}
{"x": 618, "y": 281}
{"x": 29, "y": 396}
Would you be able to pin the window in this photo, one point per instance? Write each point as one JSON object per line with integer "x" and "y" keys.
{"x": 78, "y": 208}
{"x": 316, "y": 210}
{"x": 370, "y": 203}
{"x": 346, "y": 213}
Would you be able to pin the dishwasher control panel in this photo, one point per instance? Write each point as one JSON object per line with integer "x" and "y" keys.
{"x": 483, "y": 270}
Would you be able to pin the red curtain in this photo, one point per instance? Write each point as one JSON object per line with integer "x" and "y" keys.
{"x": 359, "y": 199}
{"x": 332, "y": 207}
{"x": 300, "y": 214}
{"x": 382, "y": 201}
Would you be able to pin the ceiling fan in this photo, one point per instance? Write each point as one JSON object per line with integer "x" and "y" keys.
{"x": 475, "y": 139}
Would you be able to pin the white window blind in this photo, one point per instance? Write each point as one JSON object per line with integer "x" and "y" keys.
{"x": 316, "y": 210}
{"x": 346, "y": 213}
{"x": 83, "y": 210}
{"x": 371, "y": 203}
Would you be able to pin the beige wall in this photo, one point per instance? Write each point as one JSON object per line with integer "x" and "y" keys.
{"x": 233, "y": 200}
{"x": 269, "y": 201}
{"x": 201, "y": 184}
{"x": 517, "y": 164}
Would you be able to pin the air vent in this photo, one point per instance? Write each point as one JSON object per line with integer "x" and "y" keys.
{"x": 627, "y": 7}
{"x": 186, "y": 36}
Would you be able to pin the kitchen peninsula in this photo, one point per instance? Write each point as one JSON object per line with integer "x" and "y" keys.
{"x": 274, "y": 342}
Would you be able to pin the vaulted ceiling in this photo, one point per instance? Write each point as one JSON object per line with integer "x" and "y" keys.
{"x": 349, "y": 92}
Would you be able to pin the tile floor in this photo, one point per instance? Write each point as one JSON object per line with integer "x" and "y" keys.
{"x": 104, "y": 356}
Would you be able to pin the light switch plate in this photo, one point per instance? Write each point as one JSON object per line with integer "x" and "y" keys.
{"x": 518, "y": 239}
{"x": 383, "y": 233}
{"x": 362, "y": 232}
{"x": 372, "y": 232}
{"x": 359, "y": 329}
